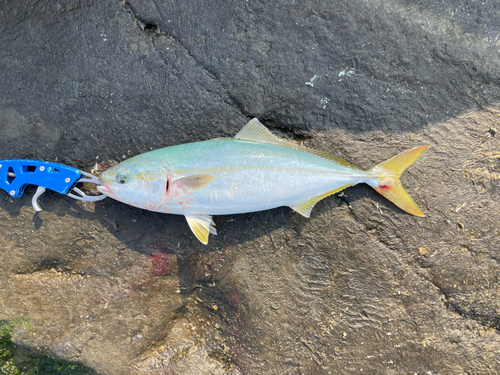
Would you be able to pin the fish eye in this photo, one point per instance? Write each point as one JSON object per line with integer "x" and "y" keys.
{"x": 121, "y": 178}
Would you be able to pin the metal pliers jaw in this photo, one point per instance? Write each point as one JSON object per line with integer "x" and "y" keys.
{"x": 16, "y": 174}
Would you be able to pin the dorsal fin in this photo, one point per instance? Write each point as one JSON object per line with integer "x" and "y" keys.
{"x": 256, "y": 132}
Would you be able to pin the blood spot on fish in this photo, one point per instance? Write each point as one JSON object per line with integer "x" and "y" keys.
{"x": 386, "y": 187}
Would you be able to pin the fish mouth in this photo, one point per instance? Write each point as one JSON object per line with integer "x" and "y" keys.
{"x": 105, "y": 189}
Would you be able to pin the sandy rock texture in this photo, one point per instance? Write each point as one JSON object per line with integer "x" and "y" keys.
{"x": 360, "y": 287}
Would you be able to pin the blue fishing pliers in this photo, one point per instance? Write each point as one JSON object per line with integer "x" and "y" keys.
{"x": 16, "y": 174}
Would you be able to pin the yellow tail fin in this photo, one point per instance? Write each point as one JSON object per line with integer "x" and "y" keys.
{"x": 388, "y": 183}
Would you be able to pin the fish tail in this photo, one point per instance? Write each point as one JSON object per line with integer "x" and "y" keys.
{"x": 388, "y": 183}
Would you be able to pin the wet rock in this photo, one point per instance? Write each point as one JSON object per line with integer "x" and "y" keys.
{"x": 358, "y": 286}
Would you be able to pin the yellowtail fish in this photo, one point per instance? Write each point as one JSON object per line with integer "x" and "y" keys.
{"x": 253, "y": 171}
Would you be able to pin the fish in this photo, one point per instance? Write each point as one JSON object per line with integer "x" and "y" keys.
{"x": 254, "y": 171}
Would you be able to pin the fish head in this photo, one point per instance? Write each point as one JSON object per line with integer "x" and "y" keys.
{"x": 135, "y": 182}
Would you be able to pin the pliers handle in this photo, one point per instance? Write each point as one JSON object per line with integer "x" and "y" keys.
{"x": 16, "y": 174}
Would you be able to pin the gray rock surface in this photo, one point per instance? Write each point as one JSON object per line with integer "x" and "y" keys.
{"x": 359, "y": 286}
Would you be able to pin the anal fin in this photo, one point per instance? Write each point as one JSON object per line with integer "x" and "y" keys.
{"x": 202, "y": 226}
{"x": 305, "y": 207}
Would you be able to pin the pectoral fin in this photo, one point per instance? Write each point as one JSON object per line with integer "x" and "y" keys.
{"x": 202, "y": 226}
{"x": 304, "y": 208}
{"x": 194, "y": 183}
